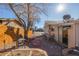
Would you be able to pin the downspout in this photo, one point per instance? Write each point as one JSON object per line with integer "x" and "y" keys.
{"x": 75, "y": 35}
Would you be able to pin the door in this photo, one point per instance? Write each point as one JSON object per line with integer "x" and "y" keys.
{"x": 65, "y": 37}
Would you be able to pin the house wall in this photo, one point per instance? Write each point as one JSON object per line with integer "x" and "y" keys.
{"x": 77, "y": 35}
{"x": 15, "y": 25}
{"x": 73, "y": 33}
{"x": 56, "y": 33}
{"x": 46, "y": 30}
{"x": 60, "y": 34}
{"x": 71, "y": 36}
{"x": 9, "y": 33}
{"x": 5, "y": 39}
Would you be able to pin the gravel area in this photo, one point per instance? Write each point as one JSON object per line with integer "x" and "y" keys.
{"x": 51, "y": 47}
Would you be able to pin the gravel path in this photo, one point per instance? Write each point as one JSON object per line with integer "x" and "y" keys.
{"x": 52, "y": 48}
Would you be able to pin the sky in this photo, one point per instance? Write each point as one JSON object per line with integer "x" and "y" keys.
{"x": 52, "y": 12}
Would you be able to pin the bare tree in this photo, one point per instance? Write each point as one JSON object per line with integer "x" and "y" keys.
{"x": 28, "y": 14}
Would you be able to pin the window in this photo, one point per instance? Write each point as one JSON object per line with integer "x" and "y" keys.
{"x": 52, "y": 29}
{"x": 1, "y": 21}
